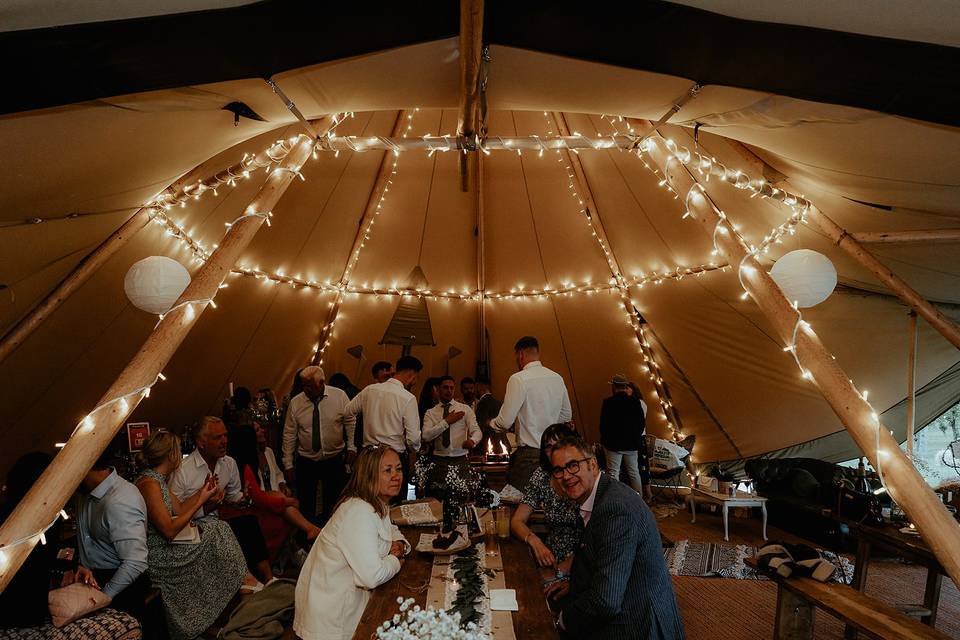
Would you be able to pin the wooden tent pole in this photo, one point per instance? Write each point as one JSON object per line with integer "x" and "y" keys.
{"x": 893, "y": 282}
{"x": 903, "y": 237}
{"x": 471, "y": 45}
{"x": 940, "y": 531}
{"x": 589, "y": 204}
{"x": 481, "y": 260}
{"x": 184, "y": 187}
{"x": 388, "y": 167}
{"x": 50, "y": 492}
{"x": 912, "y": 384}
{"x": 851, "y": 244}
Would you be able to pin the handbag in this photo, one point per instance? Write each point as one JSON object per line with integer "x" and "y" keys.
{"x": 75, "y": 601}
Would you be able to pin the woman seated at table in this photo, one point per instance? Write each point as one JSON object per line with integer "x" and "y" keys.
{"x": 564, "y": 526}
{"x": 275, "y": 511}
{"x": 358, "y": 550}
{"x": 196, "y": 579}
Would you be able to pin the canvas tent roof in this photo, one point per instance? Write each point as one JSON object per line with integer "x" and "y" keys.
{"x": 881, "y": 155}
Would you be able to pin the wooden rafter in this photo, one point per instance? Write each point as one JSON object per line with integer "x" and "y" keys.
{"x": 20, "y": 531}
{"x": 471, "y": 45}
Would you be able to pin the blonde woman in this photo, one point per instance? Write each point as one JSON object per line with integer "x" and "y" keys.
{"x": 197, "y": 579}
{"x": 358, "y": 550}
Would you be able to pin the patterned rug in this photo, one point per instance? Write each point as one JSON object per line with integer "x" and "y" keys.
{"x": 706, "y": 559}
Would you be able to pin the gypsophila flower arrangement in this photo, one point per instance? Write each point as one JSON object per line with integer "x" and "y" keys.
{"x": 414, "y": 623}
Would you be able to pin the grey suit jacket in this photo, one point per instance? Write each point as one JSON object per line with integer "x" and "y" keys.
{"x": 619, "y": 587}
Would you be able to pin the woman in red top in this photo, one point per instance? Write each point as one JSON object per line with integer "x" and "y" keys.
{"x": 276, "y": 512}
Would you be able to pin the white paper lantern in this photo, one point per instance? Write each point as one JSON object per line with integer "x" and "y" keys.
{"x": 154, "y": 284}
{"x": 805, "y": 276}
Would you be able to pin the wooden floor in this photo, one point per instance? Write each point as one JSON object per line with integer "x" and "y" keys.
{"x": 718, "y": 608}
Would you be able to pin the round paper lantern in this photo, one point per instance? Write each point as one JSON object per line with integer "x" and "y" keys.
{"x": 805, "y": 276}
{"x": 154, "y": 284}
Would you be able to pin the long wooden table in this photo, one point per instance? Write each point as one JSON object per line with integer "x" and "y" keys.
{"x": 533, "y": 620}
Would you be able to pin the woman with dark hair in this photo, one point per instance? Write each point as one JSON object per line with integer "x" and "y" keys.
{"x": 562, "y": 516}
{"x": 358, "y": 550}
{"x": 429, "y": 396}
{"x": 274, "y": 511}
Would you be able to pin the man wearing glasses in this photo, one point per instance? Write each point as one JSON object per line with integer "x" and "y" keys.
{"x": 619, "y": 586}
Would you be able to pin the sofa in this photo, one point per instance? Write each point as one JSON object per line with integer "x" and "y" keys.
{"x": 803, "y": 497}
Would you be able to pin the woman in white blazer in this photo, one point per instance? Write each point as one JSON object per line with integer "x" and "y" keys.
{"x": 358, "y": 550}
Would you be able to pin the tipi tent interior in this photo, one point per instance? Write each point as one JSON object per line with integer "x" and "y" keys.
{"x": 571, "y": 227}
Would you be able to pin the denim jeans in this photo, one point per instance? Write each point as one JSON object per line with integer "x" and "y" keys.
{"x": 629, "y": 458}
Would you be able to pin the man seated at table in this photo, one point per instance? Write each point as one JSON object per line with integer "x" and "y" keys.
{"x": 112, "y": 540}
{"x": 619, "y": 586}
{"x": 210, "y": 459}
{"x": 452, "y": 427}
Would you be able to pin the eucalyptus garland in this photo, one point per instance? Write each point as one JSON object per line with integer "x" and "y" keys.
{"x": 468, "y": 571}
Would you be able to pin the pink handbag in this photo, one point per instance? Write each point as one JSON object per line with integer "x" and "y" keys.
{"x": 75, "y": 601}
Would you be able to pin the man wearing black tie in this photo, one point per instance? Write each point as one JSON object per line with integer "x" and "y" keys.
{"x": 317, "y": 443}
{"x": 452, "y": 427}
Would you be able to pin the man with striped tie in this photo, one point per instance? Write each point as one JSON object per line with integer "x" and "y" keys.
{"x": 317, "y": 443}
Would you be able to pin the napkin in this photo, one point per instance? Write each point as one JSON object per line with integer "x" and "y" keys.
{"x": 503, "y": 600}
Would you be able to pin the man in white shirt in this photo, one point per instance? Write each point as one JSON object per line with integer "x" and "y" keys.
{"x": 317, "y": 443}
{"x": 210, "y": 458}
{"x": 390, "y": 414}
{"x": 452, "y": 427}
{"x": 536, "y": 398}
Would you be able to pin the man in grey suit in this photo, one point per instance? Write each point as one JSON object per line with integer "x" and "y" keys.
{"x": 619, "y": 586}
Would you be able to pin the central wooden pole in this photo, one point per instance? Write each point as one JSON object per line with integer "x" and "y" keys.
{"x": 471, "y": 45}
{"x": 51, "y": 491}
{"x": 940, "y": 531}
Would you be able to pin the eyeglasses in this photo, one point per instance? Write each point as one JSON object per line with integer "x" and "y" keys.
{"x": 572, "y": 467}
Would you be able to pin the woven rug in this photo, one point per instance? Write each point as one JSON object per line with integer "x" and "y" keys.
{"x": 706, "y": 559}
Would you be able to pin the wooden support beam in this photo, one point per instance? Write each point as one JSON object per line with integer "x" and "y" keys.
{"x": 912, "y": 384}
{"x": 756, "y": 163}
{"x": 892, "y": 281}
{"x": 590, "y": 207}
{"x": 481, "y": 259}
{"x": 388, "y": 167}
{"x": 471, "y": 45}
{"x": 903, "y": 237}
{"x": 940, "y": 531}
{"x": 183, "y": 188}
{"x": 20, "y": 531}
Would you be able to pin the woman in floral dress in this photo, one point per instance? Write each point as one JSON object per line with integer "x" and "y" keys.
{"x": 561, "y": 515}
{"x": 197, "y": 580}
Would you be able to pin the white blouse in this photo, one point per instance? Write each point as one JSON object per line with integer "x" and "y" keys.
{"x": 349, "y": 558}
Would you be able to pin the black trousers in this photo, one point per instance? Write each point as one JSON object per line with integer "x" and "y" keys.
{"x": 133, "y": 598}
{"x": 250, "y": 538}
{"x": 330, "y": 476}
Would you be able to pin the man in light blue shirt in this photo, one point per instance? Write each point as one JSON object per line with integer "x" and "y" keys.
{"x": 112, "y": 537}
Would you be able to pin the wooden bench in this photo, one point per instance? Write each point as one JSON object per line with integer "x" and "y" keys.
{"x": 798, "y": 598}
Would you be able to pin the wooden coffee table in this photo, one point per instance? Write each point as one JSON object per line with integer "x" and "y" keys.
{"x": 725, "y": 502}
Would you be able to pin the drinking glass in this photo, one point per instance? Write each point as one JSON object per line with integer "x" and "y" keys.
{"x": 503, "y": 522}
{"x": 490, "y": 536}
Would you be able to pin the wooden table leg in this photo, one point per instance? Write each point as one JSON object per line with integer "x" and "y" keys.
{"x": 693, "y": 508}
{"x": 931, "y": 595}
{"x": 794, "y": 617}
{"x": 862, "y": 563}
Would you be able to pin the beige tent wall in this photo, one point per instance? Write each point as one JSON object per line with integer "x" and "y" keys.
{"x": 115, "y": 154}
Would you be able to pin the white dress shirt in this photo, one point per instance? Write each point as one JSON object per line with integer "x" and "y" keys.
{"x": 536, "y": 398}
{"x": 298, "y": 427}
{"x": 349, "y": 559}
{"x": 193, "y": 472}
{"x": 390, "y": 415}
{"x": 466, "y": 427}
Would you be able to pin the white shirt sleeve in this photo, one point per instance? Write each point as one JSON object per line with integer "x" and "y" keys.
{"x": 233, "y": 489}
{"x": 433, "y": 425}
{"x": 349, "y": 427}
{"x": 473, "y": 429}
{"x": 512, "y": 401}
{"x": 411, "y": 423}
{"x": 355, "y": 406}
{"x": 178, "y": 482}
{"x": 289, "y": 435}
{"x": 566, "y": 413}
{"x": 359, "y": 543}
